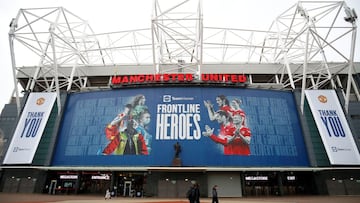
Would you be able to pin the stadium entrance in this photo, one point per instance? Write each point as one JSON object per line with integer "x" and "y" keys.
{"x": 278, "y": 183}
{"x": 76, "y": 182}
{"x": 127, "y": 184}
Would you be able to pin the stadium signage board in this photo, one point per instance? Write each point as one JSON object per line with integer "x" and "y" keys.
{"x": 333, "y": 127}
{"x": 30, "y": 128}
{"x": 178, "y": 78}
{"x": 97, "y": 125}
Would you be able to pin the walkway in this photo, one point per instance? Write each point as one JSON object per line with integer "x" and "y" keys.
{"x": 41, "y": 198}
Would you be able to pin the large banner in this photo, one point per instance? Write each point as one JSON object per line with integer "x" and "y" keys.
{"x": 202, "y": 126}
{"x": 30, "y": 128}
{"x": 333, "y": 127}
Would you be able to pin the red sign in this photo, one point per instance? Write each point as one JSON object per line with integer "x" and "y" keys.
{"x": 177, "y": 78}
{"x": 233, "y": 78}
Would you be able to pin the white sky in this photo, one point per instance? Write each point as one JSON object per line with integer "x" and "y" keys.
{"x": 117, "y": 15}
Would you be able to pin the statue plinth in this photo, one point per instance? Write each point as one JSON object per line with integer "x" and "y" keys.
{"x": 176, "y": 162}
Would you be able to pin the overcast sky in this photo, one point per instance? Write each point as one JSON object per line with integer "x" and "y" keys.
{"x": 133, "y": 14}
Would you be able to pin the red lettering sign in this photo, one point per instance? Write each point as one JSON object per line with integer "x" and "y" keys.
{"x": 173, "y": 78}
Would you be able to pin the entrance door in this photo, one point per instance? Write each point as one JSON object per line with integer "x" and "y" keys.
{"x": 167, "y": 188}
{"x": 173, "y": 188}
{"x": 27, "y": 185}
{"x": 12, "y": 185}
{"x": 182, "y": 187}
{"x": 127, "y": 189}
{"x": 52, "y": 187}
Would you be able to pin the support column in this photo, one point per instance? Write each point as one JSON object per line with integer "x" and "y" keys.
{"x": 114, "y": 183}
{"x": 280, "y": 183}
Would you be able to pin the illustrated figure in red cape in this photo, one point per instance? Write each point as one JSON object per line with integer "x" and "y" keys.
{"x": 127, "y": 142}
{"x": 127, "y": 132}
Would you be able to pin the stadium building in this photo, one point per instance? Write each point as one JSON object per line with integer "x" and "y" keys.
{"x": 149, "y": 112}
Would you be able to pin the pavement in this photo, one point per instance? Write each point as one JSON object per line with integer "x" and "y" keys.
{"x": 42, "y": 198}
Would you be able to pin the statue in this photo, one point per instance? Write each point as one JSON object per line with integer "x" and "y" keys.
{"x": 177, "y": 148}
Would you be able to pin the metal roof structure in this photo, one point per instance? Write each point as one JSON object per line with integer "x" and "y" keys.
{"x": 53, "y": 49}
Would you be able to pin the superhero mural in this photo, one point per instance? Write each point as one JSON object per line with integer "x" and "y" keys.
{"x": 139, "y": 127}
{"x": 127, "y": 133}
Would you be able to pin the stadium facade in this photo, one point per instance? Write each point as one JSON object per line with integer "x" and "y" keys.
{"x": 150, "y": 112}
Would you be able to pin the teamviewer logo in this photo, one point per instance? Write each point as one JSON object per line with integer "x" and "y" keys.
{"x": 166, "y": 98}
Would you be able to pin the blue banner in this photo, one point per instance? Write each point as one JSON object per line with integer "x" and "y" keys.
{"x": 202, "y": 126}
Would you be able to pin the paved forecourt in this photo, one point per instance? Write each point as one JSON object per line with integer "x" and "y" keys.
{"x": 41, "y": 198}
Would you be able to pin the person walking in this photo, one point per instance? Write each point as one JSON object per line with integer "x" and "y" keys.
{"x": 197, "y": 193}
{"x": 191, "y": 194}
{"x": 215, "y": 195}
{"x": 107, "y": 194}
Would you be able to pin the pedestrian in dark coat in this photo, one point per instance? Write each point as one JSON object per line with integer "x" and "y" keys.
{"x": 191, "y": 194}
{"x": 215, "y": 195}
{"x": 197, "y": 193}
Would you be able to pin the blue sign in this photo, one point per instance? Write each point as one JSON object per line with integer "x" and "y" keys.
{"x": 213, "y": 127}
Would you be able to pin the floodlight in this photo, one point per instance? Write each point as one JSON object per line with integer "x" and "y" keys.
{"x": 350, "y": 15}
